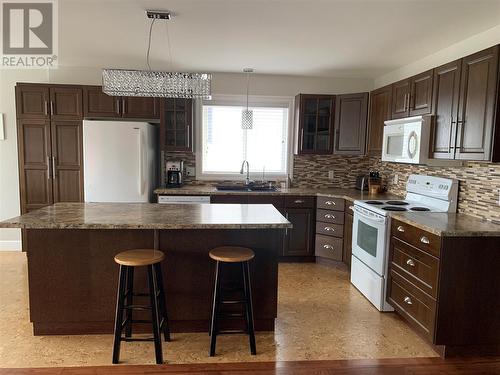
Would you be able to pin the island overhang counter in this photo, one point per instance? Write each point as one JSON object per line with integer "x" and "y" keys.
{"x": 73, "y": 278}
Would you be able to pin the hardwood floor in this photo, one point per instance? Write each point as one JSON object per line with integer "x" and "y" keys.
{"x": 413, "y": 366}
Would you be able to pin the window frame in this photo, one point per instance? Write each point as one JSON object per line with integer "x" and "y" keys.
{"x": 239, "y": 100}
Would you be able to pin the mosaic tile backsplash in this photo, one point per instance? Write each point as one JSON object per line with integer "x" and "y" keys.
{"x": 479, "y": 182}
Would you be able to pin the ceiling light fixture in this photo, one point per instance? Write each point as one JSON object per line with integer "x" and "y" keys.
{"x": 123, "y": 82}
{"x": 247, "y": 114}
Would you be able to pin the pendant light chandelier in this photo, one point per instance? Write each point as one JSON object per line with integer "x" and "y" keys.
{"x": 247, "y": 114}
{"x": 123, "y": 82}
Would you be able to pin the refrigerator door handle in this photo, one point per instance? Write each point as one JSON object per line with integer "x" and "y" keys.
{"x": 142, "y": 149}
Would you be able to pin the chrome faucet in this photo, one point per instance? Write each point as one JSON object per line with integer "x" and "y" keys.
{"x": 247, "y": 179}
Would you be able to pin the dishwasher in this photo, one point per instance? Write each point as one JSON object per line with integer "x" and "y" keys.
{"x": 184, "y": 199}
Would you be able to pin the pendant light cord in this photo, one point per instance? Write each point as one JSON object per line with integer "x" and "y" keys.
{"x": 149, "y": 42}
{"x": 248, "y": 84}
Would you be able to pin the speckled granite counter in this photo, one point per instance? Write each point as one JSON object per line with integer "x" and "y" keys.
{"x": 450, "y": 224}
{"x": 150, "y": 216}
{"x": 348, "y": 194}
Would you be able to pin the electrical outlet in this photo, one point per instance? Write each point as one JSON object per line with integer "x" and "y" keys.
{"x": 395, "y": 179}
{"x": 330, "y": 175}
{"x": 190, "y": 171}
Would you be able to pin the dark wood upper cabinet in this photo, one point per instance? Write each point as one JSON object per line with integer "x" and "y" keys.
{"x": 421, "y": 94}
{"x": 400, "y": 99}
{"x": 176, "y": 128}
{"x": 350, "y": 123}
{"x": 67, "y": 161}
{"x": 66, "y": 103}
{"x": 477, "y": 104}
{"x": 35, "y": 176}
{"x": 299, "y": 239}
{"x": 140, "y": 107}
{"x": 32, "y": 101}
{"x": 380, "y": 111}
{"x": 314, "y": 115}
{"x": 98, "y": 104}
{"x": 446, "y": 96}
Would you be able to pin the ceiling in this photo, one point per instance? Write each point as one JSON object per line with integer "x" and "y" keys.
{"x": 333, "y": 38}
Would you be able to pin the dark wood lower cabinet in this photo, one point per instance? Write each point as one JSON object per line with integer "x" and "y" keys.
{"x": 299, "y": 239}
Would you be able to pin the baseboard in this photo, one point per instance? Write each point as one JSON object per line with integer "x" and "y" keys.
{"x": 14, "y": 245}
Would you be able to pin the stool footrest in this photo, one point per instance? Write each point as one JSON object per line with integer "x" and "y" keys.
{"x": 137, "y": 307}
{"x": 233, "y": 302}
{"x": 231, "y": 315}
{"x": 232, "y": 332}
{"x": 130, "y": 339}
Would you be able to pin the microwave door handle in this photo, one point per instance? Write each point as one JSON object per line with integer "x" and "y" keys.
{"x": 374, "y": 219}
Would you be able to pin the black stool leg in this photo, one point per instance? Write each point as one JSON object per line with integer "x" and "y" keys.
{"x": 153, "y": 290}
{"x": 129, "y": 300}
{"x": 120, "y": 299}
{"x": 215, "y": 310}
{"x": 165, "y": 327}
{"x": 248, "y": 306}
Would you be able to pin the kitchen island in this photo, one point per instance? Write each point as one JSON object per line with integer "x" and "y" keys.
{"x": 73, "y": 277}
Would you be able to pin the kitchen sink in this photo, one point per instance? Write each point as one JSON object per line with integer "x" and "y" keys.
{"x": 251, "y": 187}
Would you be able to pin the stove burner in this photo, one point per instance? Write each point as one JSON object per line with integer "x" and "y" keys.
{"x": 419, "y": 209}
{"x": 374, "y": 202}
{"x": 397, "y": 203}
{"x": 394, "y": 208}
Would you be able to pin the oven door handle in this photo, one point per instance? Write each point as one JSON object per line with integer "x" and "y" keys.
{"x": 373, "y": 219}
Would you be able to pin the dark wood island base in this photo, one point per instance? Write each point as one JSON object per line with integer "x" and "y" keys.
{"x": 73, "y": 278}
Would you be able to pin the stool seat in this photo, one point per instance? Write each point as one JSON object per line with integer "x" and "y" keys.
{"x": 231, "y": 254}
{"x": 139, "y": 257}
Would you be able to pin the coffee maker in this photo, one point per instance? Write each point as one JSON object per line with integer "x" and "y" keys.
{"x": 175, "y": 169}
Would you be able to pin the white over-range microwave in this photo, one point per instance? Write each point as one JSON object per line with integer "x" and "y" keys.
{"x": 407, "y": 140}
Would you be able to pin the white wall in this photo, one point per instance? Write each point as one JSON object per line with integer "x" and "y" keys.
{"x": 223, "y": 83}
{"x": 456, "y": 51}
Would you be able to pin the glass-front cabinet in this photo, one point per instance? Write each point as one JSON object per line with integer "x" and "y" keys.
{"x": 314, "y": 115}
{"x": 176, "y": 125}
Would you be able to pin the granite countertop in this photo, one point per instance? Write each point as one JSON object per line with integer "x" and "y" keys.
{"x": 449, "y": 224}
{"x": 348, "y": 194}
{"x": 150, "y": 216}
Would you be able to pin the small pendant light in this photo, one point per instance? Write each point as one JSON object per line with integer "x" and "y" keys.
{"x": 247, "y": 114}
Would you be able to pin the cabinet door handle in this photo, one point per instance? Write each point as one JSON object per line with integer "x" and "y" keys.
{"x": 410, "y": 262}
{"x": 424, "y": 239}
{"x": 117, "y": 106}
{"x": 46, "y": 108}
{"x": 408, "y": 301}
{"x": 329, "y": 229}
{"x": 298, "y": 201}
{"x": 301, "y": 139}
{"x": 330, "y": 203}
{"x": 401, "y": 228}
{"x": 188, "y": 137}
{"x": 123, "y": 106}
{"x": 54, "y": 171}
{"x": 329, "y": 216}
{"x": 48, "y": 168}
{"x": 51, "y": 108}
{"x": 328, "y": 247}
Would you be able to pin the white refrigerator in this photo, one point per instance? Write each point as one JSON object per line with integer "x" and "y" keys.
{"x": 119, "y": 161}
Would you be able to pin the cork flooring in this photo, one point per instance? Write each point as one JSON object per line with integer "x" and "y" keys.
{"x": 321, "y": 316}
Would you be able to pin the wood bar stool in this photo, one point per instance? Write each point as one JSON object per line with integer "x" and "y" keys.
{"x": 128, "y": 260}
{"x": 232, "y": 254}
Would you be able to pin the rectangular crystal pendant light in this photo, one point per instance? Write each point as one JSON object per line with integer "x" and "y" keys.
{"x": 121, "y": 82}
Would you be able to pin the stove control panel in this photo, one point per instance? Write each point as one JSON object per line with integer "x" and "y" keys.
{"x": 436, "y": 187}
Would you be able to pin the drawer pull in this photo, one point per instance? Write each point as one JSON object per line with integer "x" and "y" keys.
{"x": 329, "y": 216}
{"x": 408, "y": 301}
{"x": 298, "y": 201}
{"x": 329, "y": 229}
{"x": 330, "y": 203}
{"x": 351, "y": 208}
{"x": 328, "y": 247}
{"x": 410, "y": 262}
{"x": 424, "y": 239}
{"x": 401, "y": 229}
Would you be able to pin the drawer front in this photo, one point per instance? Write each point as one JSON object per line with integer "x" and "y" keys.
{"x": 328, "y": 229}
{"x": 327, "y": 216}
{"x": 328, "y": 247}
{"x": 292, "y": 201}
{"x": 421, "y": 267}
{"x": 417, "y": 237}
{"x": 413, "y": 304}
{"x": 336, "y": 204}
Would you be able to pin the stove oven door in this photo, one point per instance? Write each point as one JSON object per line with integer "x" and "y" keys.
{"x": 369, "y": 239}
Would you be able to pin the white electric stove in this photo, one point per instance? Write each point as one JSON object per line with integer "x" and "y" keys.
{"x": 371, "y": 230}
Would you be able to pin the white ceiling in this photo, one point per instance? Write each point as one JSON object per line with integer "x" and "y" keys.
{"x": 356, "y": 38}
